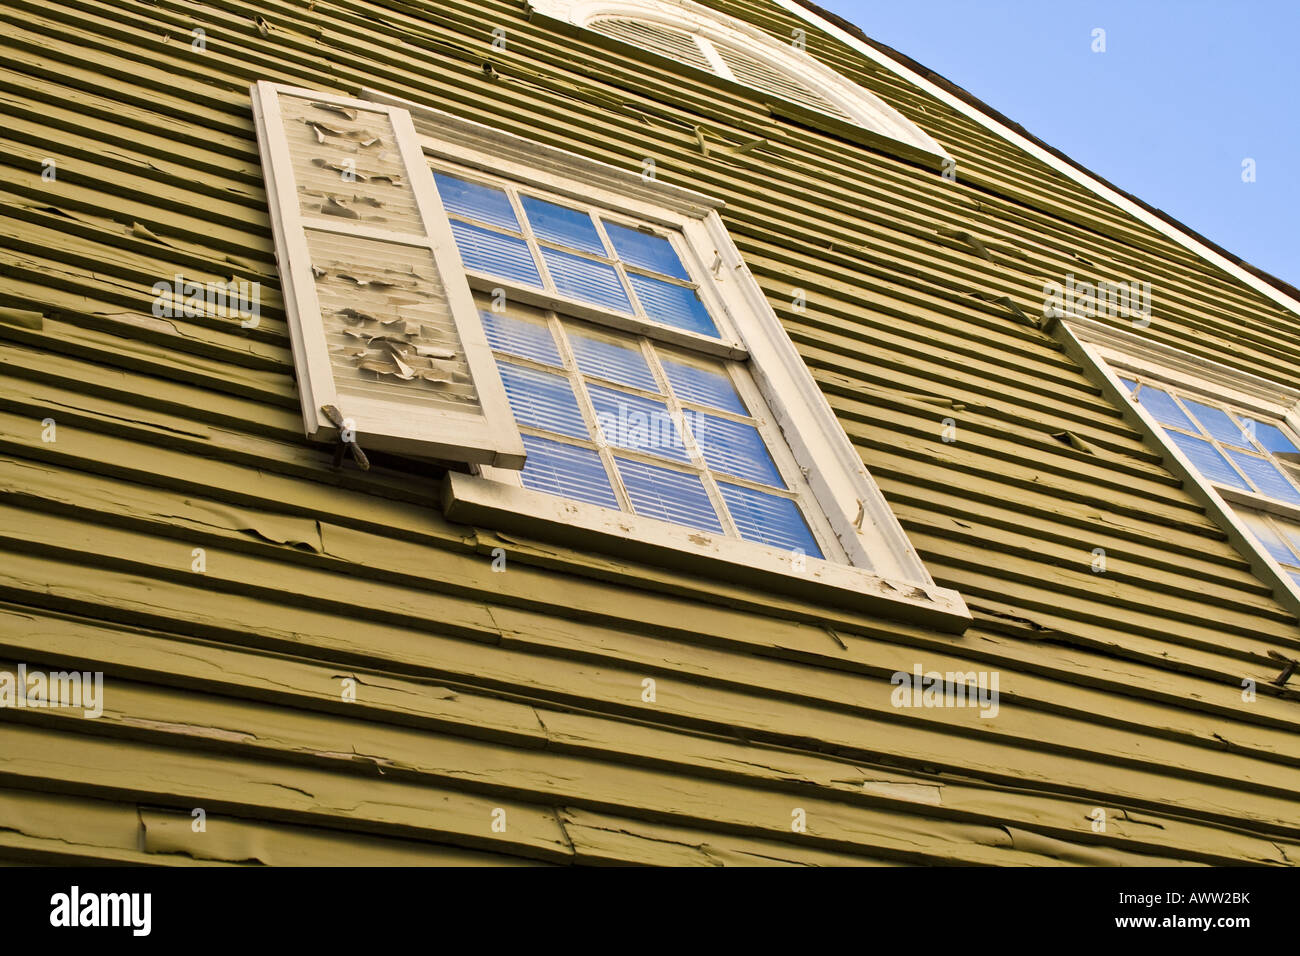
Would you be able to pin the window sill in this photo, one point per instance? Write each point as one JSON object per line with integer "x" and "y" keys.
{"x": 471, "y": 499}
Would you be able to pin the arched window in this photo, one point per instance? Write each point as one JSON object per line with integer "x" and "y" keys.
{"x": 695, "y": 36}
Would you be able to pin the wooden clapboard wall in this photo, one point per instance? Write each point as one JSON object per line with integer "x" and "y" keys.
{"x": 479, "y": 691}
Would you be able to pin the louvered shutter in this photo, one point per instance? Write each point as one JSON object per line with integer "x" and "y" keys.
{"x": 383, "y": 324}
{"x": 736, "y": 64}
{"x": 677, "y": 44}
{"x": 754, "y": 73}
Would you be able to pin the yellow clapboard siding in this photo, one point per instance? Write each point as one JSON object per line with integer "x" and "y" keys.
{"x": 523, "y": 690}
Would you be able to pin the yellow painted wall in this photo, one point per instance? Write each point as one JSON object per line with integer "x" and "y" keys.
{"x": 522, "y": 692}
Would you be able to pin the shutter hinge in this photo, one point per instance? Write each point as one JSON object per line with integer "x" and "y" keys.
{"x": 347, "y": 439}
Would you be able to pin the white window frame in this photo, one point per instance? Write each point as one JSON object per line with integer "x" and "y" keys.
{"x": 728, "y": 345}
{"x": 865, "y": 110}
{"x": 1108, "y": 353}
{"x": 880, "y": 570}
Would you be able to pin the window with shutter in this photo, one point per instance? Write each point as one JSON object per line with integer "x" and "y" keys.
{"x": 584, "y": 341}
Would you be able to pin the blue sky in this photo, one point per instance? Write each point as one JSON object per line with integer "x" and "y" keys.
{"x": 1184, "y": 92}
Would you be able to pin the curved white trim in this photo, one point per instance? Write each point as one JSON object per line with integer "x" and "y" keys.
{"x": 863, "y": 107}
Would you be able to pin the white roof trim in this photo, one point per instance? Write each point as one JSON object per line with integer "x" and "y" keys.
{"x": 1080, "y": 177}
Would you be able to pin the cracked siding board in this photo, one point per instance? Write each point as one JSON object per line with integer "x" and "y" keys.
{"x": 209, "y": 455}
{"x": 613, "y": 739}
{"x": 234, "y": 841}
{"x": 587, "y": 734}
{"x": 602, "y": 840}
{"x": 164, "y": 776}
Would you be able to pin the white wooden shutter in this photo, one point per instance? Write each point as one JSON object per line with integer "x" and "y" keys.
{"x": 383, "y": 324}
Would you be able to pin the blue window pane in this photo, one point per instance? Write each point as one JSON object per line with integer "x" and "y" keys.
{"x": 1273, "y": 438}
{"x": 1217, "y": 423}
{"x": 673, "y": 305}
{"x": 649, "y": 252}
{"x": 1265, "y": 476}
{"x": 620, "y": 363}
{"x": 1269, "y": 538}
{"x": 668, "y": 495}
{"x": 486, "y": 251}
{"x": 519, "y": 337}
{"x": 735, "y": 448}
{"x": 1294, "y": 576}
{"x": 630, "y": 421}
{"x": 1128, "y": 383}
{"x": 560, "y": 224}
{"x": 769, "y": 519}
{"x": 1206, "y": 459}
{"x": 484, "y": 203}
{"x": 1163, "y": 409}
{"x": 1291, "y": 534}
{"x": 566, "y": 470}
{"x": 704, "y": 386}
{"x": 584, "y": 279}
{"x": 542, "y": 400}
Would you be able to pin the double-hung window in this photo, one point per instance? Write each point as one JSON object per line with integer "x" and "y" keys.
{"x": 580, "y": 346}
{"x": 615, "y": 409}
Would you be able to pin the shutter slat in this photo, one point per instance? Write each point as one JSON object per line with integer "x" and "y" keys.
{"x": 755, "y": 73}
{"x": 677, "y": 44}
{"x": 383, "y": 323}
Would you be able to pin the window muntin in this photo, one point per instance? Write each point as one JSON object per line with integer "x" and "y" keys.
{"x": 1226, "y": 445}
{"x": 620, "y": 420}
{"x": 579, "y": 253}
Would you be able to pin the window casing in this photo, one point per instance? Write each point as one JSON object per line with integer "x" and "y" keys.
{"x": 1251, "y": 463}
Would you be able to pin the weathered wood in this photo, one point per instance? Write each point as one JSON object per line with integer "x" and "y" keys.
{"x": 523, "y": 690}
